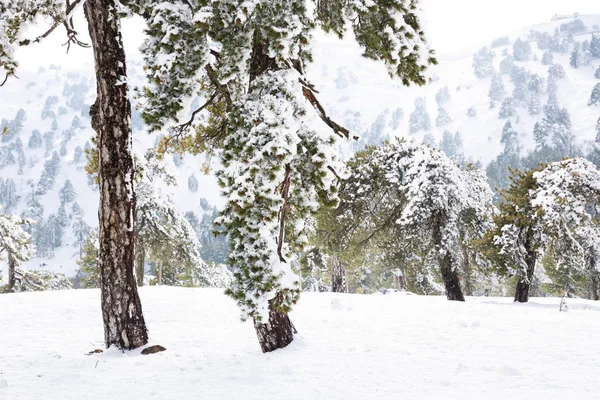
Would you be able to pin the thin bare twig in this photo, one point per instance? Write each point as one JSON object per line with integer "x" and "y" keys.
{"x": 71, "y": 33}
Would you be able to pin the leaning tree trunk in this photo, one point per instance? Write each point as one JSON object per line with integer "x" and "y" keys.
{"x": 278, "y": 332}
{"x": 338, "y": 276}
{"x": 448, "y": 267}
{"x": 524, "y": 284}
{"x": 451, "y": 279}
{"x": 124, "y": 324}
{"x": 11, "y": 272}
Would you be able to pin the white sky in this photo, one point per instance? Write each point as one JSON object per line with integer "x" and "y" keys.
{"x": 452, "y": 26}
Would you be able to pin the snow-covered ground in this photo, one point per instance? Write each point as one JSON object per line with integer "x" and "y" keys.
{"x": 348, "y": 347}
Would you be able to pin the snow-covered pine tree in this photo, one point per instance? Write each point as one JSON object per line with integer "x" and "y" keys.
{"x": 521, "y": 50}
{"x": 124, "y": 324}
{"x": 166, "y": 237}
{"x": 443, "y": 118}
{"x": 507, "y": 64}
{"x": 483, "y": 63}
{"x": 595, "y": 96}
{"x": 515, "y": 243}
{"x": 507, "y": 109}
{"x": 576, "y": 58}
{"x": 438, "y": 195}
{"x": 548, "y": 58}
{"x": 89, "y": 272}
{"x": 496, "y": 92}
{"x": 15, "y": 245}
{"x": 442, "y": 97}
{"x": 567, "y": 194}
{"x": 419, "y": 119}
{"x": 67, "y": 193}
{"x": 259, "y": 105}
{"x": 498, "y": 169}
{"x": 594, "y": 48}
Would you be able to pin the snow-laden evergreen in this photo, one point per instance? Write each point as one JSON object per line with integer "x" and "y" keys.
{"x": 567, "y": 193}
{"x": 286, "y": 166}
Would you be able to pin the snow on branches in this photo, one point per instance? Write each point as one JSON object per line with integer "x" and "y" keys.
{"x": 275, "y": 170}
{"x": 14, "y": 241}
{"x": 567, "y": 194}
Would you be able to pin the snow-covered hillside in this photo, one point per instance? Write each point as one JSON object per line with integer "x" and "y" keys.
{"x": 53, "y": 127}
{"x": 359, "y": 93}
{"x": 349, "y": 347}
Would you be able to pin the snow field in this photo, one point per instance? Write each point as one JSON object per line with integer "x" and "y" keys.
{"x": 348, "y": 347}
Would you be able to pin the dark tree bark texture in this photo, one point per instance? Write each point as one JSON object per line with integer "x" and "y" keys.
{"x": 140, "y": 261}
{"x": 338, "y": 276}
{"x": 451, "y": 279}
{"x": 448, "y": 264}
{"x": 277, "y": 333}
{"x": 124, "y": 324}
{"x": 11, "y": 272}
{"x": 523, "y": 286}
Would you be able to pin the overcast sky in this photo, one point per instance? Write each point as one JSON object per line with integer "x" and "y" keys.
{"x": 457, "y": 24}
{"x": 452, "y": 26}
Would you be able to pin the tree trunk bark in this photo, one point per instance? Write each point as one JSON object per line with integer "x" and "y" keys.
{"x": 523, "y": 286}
{"x": 11, "y": 272}
{"x": 447, "y": 263}
{"x": 594, "y": 287}
{"x": 593, "y": 278}
{"x": 140, "y": 260}
{"x": 399, "y": 281}
{"x": 468, "y": 272}
{"x": 338, "y": 276}
{"x": 159, "y": 265}
{"x": 451, "y": 279}
{"x": 277, "y": 333}
{"x": 124, "y": 324}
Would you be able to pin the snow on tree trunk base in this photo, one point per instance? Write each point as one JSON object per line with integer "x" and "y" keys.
{"x": 522, "y": 292}
{"x": 277, "y": 333}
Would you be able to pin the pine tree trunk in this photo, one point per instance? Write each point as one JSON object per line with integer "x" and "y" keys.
{"x": 11, "y": 272}
{"x": 451, "y": 280}
{"x": 140, "y": 260}
{"x": 468, "y": 273}
{"x": 124, "y": 324}
{"x": 594, "y": 287}
{"x": 399, "y": 282}
{"x": 524, "y": 284}
{"x": 159, "y": 265}
{"x": 448, "y": 267}
{"x": 338, "y": 276}
{"x": 593, "y": 278}
{"x": 277, "y": 333}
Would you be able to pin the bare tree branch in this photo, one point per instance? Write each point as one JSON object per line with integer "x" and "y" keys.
{"x": 285, "y": 193}
{"x": 71, "y": 33}
{"x": 309, "y": 92}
